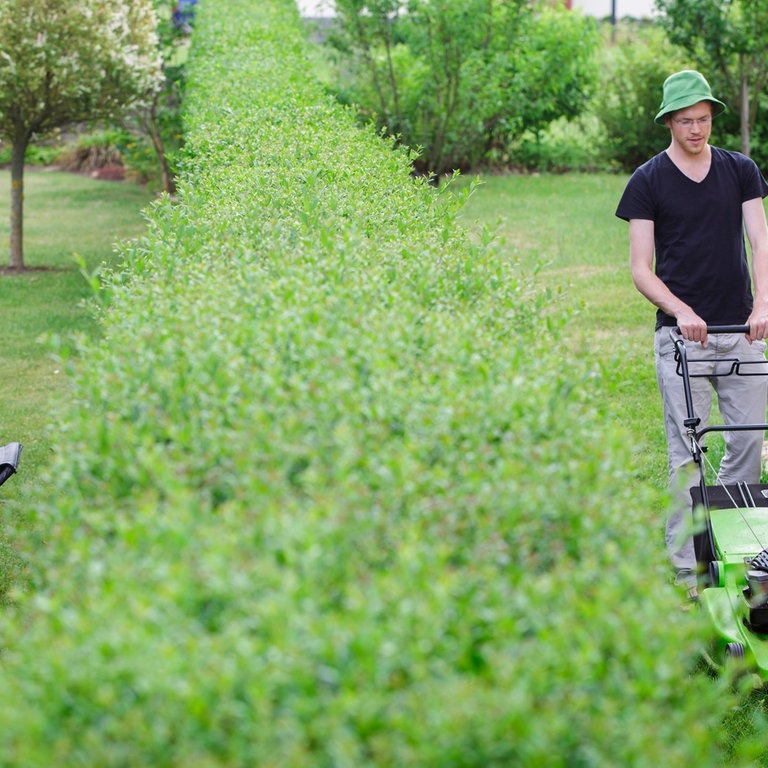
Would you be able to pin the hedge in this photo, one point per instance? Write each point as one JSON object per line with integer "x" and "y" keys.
{"x": 333, "y": 487}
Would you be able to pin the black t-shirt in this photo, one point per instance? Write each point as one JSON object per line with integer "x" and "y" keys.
{"x": 699, "y": 232}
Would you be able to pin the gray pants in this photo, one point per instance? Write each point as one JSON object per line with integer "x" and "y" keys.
{"x": 741, "y": 400}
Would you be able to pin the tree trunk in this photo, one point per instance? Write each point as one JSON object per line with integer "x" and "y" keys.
{"x": 744, "y": 114}
{"x": 18, "y": 151}
{"x": 148, "y": 121}
{"x": 169, "y": 184}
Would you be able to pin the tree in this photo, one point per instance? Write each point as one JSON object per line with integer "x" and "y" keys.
{"x": 463, "y": 104}
{"x": 158, "y": 116}
{"x": 366, "y": 27}
{"x": 726, "y": 39}
{"x": 629, "y": 92}
{"x": 68, "y": 62}
{"x": 462, "y": 78}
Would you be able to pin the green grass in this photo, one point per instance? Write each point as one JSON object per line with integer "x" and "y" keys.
{"x": 64, "y": 215}
{"x": 564, "y": 228}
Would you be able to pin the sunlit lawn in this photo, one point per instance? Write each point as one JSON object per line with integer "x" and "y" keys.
{"x": 564, "y": 229}
{"x": 65, "y": 214}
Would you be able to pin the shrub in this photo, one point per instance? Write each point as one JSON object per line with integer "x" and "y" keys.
{"x": 334, "y": 488}
{"x": 565, "y": 145}
{"x": 91, "y": 150}
{"x": 36, "y": 154}
{"x": 461, "y": 80}
{"x": 630, "y": 94}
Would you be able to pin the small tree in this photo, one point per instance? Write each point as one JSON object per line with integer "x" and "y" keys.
{"x": 462, "y": 78}
{"x": 158, "y": 116}
{"x": 67, "y": 62}
{"x": 629, "y": 93}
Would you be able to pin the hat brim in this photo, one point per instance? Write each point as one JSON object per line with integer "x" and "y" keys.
{"x": 717, "y": 107}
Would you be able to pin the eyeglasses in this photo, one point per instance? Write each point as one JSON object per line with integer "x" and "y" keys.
{"x": 687, "y": 122}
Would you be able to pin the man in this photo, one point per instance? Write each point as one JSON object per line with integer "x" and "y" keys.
{"x": 688, "y": 208}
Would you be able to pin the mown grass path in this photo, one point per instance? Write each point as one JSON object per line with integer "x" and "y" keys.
{"x": 65, "y": 214}
{"x": 564, "y": 229}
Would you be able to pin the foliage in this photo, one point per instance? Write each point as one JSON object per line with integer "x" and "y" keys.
{"x": 461, "y": 80}
{"x": 325, "y": 492}
{"x": 565, "y": 145}
{"x": 615, "y": 327}
{"x": 90, "y": 151}
{"x": 68, "y": 215}
{"x": 630, "y": 94}
{"x": 62, "y": 63}
{"x": 36, "y": 154}
{"x": 726, "y": 39}
{"x": 728, "y": 134}
{"x": 157, "y": 122}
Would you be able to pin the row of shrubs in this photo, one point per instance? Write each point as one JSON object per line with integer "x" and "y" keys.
{"x": 334, "y": 488}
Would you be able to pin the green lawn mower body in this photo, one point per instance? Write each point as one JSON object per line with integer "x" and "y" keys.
{"x": 735, "y": 594}
{"x": 731, "y": 523}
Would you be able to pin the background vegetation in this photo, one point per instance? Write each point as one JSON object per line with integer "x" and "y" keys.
{"x": 538, "y": 88}
{"x": 337, "y": 483}
{"x": 64, "y": 63}
{"x": 73, "y": 223}
{"x": 459, "y": 79}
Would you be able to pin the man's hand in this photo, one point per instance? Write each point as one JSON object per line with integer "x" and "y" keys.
{"x": 758, "y": 322}
{"x": 693, "y": 327}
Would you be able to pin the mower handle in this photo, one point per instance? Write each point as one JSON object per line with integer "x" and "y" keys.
{"x": 723, "y": 329}
{"x": 692, "y": 421}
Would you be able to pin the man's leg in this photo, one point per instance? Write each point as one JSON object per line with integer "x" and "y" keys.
{"x": 683, "y": 472}
{"x": 742, "y": 400}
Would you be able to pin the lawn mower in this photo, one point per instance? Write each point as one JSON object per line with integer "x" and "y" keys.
{"x": 730, "y": 530}
{"x": 10, "y": 455}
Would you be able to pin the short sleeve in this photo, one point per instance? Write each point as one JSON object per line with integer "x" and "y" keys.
{"x": 636, "y": 202}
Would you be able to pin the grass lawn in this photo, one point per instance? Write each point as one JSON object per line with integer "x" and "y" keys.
{"x": 564, "y": 229}
{"x": 64, "y": 214}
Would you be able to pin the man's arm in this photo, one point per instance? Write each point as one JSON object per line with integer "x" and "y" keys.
{"x": 641, "y": 250}
{"x": 757, "y": 234}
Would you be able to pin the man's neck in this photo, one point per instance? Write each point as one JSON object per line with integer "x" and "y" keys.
{"x": 694, "y": 165}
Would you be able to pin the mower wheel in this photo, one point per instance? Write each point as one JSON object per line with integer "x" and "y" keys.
{"x": 734, "y": 651}
{"x": 715, "y": 574}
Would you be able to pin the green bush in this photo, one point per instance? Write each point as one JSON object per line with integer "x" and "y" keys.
{"x": 92, "y": 150}
{"x": 726, "y": 133}
{"x": 335, "y": 488}
{"x": 36, "y": 154}
{"x": 462, "y": 80}
{"x": 565, "y": 145}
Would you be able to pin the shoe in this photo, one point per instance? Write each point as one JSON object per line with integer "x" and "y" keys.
{"x": 691, "y": 599}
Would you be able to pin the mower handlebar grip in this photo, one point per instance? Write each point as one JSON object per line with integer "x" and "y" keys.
{"x": 723, "y": 329}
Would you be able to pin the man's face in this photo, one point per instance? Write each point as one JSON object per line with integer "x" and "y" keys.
{"x": 691, "y": 127}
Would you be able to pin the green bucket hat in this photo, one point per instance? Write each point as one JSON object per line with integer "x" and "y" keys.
{"x": 684, "y": 89}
